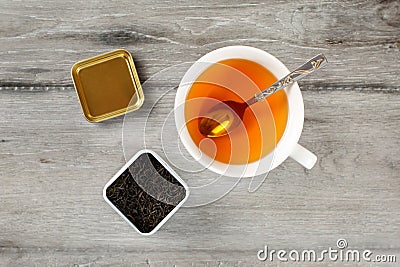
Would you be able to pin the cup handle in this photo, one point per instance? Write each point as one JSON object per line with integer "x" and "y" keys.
{"x": 303, "y": 156}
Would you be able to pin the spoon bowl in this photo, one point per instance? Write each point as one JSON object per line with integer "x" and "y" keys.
{"x": 222, "y": 118}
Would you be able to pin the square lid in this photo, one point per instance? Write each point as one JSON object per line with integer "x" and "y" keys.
{"x": 107, "y": 85}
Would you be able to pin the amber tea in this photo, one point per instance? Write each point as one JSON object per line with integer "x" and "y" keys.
{"x": 262, "y": 125}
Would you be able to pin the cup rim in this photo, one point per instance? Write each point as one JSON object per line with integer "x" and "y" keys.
{"x": 294, "y": 123}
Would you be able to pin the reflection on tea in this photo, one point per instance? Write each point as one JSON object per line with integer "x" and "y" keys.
{"x": 263, "y": 123}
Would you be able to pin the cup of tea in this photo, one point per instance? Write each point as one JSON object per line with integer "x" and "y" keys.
{"x": 269, "y": 131}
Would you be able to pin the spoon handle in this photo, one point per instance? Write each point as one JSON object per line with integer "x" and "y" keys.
{"x": 302, "y": 71}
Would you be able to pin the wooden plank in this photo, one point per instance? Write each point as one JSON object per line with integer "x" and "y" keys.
{"x": 41, "y": 40}
{"x": 54, "y": 165}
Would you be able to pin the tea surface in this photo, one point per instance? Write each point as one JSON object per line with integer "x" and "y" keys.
{"x": 263, "y": 123}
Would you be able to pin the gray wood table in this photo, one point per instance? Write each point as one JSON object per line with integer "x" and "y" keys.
{"x": 54, "y": 164}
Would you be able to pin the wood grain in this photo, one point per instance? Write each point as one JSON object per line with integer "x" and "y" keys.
{"x": 54, "y": 164}
{"x": 41, "y": 40}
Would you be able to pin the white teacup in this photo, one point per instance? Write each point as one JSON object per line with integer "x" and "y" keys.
{"x": 288, "y": 144}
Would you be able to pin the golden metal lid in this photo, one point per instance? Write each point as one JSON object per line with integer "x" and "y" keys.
{"x": 107, "y": 85}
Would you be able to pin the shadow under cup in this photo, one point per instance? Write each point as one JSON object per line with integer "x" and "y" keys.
{"x": 263, "y": 123}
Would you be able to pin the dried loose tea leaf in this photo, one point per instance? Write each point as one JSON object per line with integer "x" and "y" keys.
{"x": 146, "y": 192}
